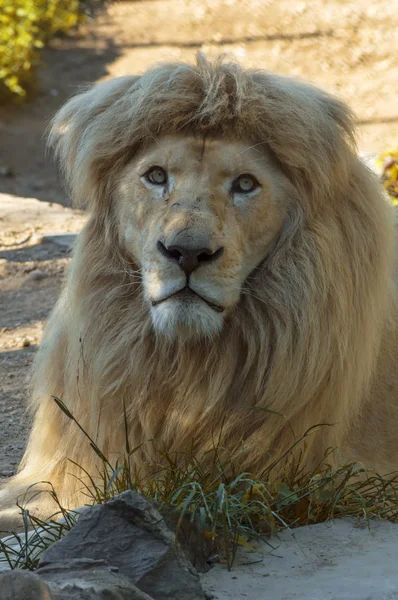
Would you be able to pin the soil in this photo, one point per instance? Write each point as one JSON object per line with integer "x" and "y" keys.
{"x": 33, "y": 262}
{"x": 348, "y": 47}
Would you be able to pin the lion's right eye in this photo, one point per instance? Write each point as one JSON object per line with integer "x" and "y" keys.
{"x": 156, "y": 176}
{"x": 244, "y": 184}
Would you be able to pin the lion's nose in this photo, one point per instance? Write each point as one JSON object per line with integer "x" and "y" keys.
{"x": 189, "y": 259}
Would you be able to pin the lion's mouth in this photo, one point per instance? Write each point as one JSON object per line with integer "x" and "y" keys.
{"x": 188, "y": 292}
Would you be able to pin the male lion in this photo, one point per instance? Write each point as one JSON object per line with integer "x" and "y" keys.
{"x": 235, "y": 278}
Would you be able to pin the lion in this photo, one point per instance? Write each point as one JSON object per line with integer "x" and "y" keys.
{"x": 235, "y": 279}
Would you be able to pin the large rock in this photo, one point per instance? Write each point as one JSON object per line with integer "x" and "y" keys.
{"x": 71, "y": 580}
{"x": 23, "y": 585}
{"x": 86, "y": 579}
{"x": 130, "y": 534}
{"x": 337, "y": 560}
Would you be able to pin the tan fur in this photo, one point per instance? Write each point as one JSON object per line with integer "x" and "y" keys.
{"x": 306, "y": 279}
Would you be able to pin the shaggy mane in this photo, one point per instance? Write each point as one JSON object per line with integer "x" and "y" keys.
{"x": 304, "y": 344}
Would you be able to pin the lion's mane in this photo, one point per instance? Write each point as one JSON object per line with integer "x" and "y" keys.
{"x": 304, "y": 344}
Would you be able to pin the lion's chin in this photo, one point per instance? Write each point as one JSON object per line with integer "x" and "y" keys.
{"x": 182, "y": 319}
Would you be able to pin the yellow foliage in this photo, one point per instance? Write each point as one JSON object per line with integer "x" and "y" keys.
{"x": 25, "y": 27}
{"x": 389, "y": 163}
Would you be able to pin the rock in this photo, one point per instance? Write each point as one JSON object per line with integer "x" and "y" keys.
{"x": 23, "y": 585}
{"x": 86, "y": 579}
{"x": 130, "y": 534}
{"x": 37, "y": 239}
{"x": 336, "y": 560}
{"x": 37, "y": 275}
{"x": 370, "y": 161}
{"x": 6, "y": 473}
{"x": 70, "y": 580}
{"x": 25, "y": 343}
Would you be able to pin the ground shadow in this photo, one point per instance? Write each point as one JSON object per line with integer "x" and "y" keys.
{"x": 51, "y": 248}
{"x": 378, "y": 120}
{"x": 225, "y": 41}
{"x": 42, "y": 302}
{"x": 27, "y": 170}
{"x": 10, "y": 355}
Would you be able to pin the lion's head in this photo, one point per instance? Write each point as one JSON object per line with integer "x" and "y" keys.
{"x": 199, "y": 214}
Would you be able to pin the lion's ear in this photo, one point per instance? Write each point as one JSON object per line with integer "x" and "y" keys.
{"x": 335, "y": 124}
{"x": 81, "y": 132}
{"x": 341, "y": 114}
{"x": 309, "y": 131}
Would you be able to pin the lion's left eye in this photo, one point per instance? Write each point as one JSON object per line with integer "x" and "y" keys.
{"x": 244, "y": 184}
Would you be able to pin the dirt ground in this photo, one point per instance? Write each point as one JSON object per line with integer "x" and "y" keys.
{"x": 32, "y": 265}
{"x": 348, "y": 47}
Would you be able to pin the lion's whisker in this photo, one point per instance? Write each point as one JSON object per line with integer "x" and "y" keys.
{"x": 251, "y": 148}
{"x": 254, "y": 296}
{"x": 125, "y": 285}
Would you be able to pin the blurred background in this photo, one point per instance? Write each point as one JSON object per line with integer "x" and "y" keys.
{"x": 49, "y": 48}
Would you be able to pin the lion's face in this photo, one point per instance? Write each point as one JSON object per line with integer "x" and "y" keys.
{"x": 198, "y": 216}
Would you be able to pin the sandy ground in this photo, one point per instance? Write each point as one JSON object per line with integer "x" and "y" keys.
{"x": 349, "y": 47}
{"x": 340, "y": 560}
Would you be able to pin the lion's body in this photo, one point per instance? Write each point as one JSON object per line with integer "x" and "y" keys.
{"x": 373, "y": 438}
{"x": 314, "y": 336}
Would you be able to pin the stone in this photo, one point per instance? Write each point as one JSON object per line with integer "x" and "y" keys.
{"x": 129, "y": 533}
{"x": 37, "y": 239}
{"x": 336, "y": 560}
{"x": 370, "y": 161}
{"x": 76, "y": 579}
{"x": 37, "y": 275}
{"x": 23, "y": 585}
{"x": 87, "y": 579}
{"x": 6, "y": 473}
